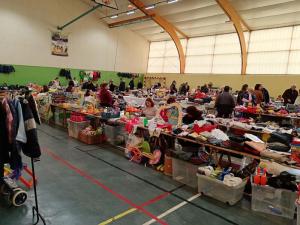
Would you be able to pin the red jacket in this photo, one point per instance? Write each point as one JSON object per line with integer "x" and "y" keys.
{"x": 105, "y": 97}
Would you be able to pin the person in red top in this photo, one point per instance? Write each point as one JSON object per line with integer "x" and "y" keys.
{"x": 105, "y": 96}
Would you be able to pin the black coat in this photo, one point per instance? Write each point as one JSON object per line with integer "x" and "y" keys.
{"x": 131, "y": 85}
{"x": 122, "y": 86}
{"x": 31, "y": 148}
{"x": 290, "y": 96}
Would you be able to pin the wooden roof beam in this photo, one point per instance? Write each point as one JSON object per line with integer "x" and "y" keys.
{"x": 237, "y": 22}
{"x": 123, "y": 22}
{"x": 168, "y": 27}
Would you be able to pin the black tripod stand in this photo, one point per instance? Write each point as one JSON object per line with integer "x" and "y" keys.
{"x": 35, "y": 209}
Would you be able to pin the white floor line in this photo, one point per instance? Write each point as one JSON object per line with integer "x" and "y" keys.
{"x": 173, "y": 209}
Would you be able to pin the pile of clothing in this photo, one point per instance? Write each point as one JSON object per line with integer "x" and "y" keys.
{"x": 223, "y": 175}
{"x": 89, "y": 75}
{"x": 65, "y": 73}
{"x": 7, "y": 69}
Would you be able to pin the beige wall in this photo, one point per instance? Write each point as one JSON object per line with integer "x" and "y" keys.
{"x": 276, "y": 84}
{"x": 26, "y": 27}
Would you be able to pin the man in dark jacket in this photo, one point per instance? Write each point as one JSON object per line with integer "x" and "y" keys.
{"x": 225, "y": 103}
{"x": 122, "y": 85}
{"x": 140, "y": 85}
{"x": 111, "y": 86}
{"x": 290, "y": 95}
{"x": 131, "y": 84}
{"x": 89, "y": 86}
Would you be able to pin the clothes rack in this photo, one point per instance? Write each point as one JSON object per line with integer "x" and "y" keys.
{"x": 35, "y": 208}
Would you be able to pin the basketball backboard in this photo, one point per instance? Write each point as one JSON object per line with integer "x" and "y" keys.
{"x": 108, "y": 3}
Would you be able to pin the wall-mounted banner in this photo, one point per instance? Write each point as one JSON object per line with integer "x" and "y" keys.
{"x": 59, "y": 45}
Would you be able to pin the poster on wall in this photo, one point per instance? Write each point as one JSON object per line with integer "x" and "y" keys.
{"x": 59, "y": 45}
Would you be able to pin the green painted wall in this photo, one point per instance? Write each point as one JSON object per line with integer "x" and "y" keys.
{"x": 42, "y": 75}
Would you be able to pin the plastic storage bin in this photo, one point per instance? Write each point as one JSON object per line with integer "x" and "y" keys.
{"x": 75, "y": 127}
{"x": 115, "y": 134}
{"x": 184, "y": 172}
{"x": 279, "y": 202}
{"x": 218, "y": 190}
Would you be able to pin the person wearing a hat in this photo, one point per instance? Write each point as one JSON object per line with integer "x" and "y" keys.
{"x": 104, "y": 96}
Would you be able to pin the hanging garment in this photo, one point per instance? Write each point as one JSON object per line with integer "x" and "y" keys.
{"x": 8, "y": 120}
{"x": 34, "y": 109}
{"x": 31, "y": 148}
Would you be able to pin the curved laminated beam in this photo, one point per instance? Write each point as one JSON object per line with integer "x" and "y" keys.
{"x": 237, "y": 22}
{"x": 168, "y": 27}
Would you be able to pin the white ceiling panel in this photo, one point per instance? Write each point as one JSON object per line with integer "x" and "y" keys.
{"x": 205, "y": 17}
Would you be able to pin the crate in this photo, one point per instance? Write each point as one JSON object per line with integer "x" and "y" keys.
{"x": 115, "y": 134}
{"x": 75, "y": 127}
{"x": 279, "y": 202}
{"x": 184, "y": 172}
{"x": 91, "y": 140}
{"x": 216, "y": 189}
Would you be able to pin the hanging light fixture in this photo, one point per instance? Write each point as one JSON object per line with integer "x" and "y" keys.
{"x": 114, "y": 17}
{"x": 150, "y": 7}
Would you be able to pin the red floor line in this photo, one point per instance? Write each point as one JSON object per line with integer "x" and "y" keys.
{"x": 98, "y": 183}
{"x": 156, "y": 199}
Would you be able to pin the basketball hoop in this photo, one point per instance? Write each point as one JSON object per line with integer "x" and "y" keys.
{"x": 108, "y": 3}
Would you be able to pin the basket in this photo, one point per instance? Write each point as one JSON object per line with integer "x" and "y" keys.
{"x": 279, "y": 202}
{"x": 91, "y": 139}
{"x": 216, "y": 189}
{"x": 75, "y": 127}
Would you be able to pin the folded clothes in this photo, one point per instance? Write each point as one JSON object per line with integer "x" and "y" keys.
{"x": 274, "y": 155}
{"x": 232, "y": 181}
{"x": 280, "y": 147}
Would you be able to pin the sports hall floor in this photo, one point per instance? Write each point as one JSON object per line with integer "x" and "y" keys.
{"x": 89, "y": 185}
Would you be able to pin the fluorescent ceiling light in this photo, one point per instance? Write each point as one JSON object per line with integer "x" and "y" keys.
{"x": 171, "y": 1}
{"x": 150, "y": 7}
{"x": 130, "y": 12}
{"x": 114, "y": 17}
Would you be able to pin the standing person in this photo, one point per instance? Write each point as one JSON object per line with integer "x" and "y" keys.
{"x": 89, "y": 86}
{"x": 204, "y": 89}
{"x": 122, "y": 85}
{"x": 187, "y": 87}
{"x": 182, "y": 89}
{"x": 258, "y": 94}
{"x": 266, "y": 95}
{"x": 290, "y": 95}
{"x": 131, "y": 84}
{"x": 140, "y": 85}
{"x": 75, "y": 82}
{"x": 210, "y": 87}
{"x": 241, "y": 93}
{"x": 111, "y": 86}
{"x": 225, "y": 103}
{"x": 173, "y": 89}
{"x": 105, "y": 97}
{"x": 70, "y": 87}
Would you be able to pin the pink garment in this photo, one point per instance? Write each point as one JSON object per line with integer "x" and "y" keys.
{"x": 9, "y": 120}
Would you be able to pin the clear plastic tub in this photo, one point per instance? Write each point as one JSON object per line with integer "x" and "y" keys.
{"x": 75, "y": 127}
{"x": 279, "y": 202}
{"x": 115, "y": 134}
{"x": 216, "y": 189}
{"x": 184, "y": 172}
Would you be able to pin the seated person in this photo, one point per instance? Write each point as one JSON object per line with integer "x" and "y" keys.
{"x": 105, "y": 97}
{"x": 149, "y": 111}
{"x": 192, "y": 115}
